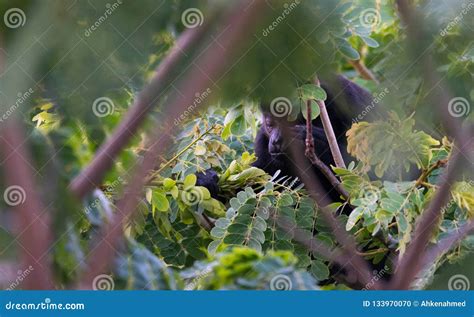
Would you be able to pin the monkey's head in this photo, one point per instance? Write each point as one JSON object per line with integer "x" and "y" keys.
{"x": 278, "y": 143}
{"x": 273, "y": 131}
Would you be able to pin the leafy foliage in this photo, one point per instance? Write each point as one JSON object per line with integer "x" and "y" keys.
{"x": 138, "y": 268}
{"x": 390, "y": 145}
{"x": 251, "y": 221}
{"x": 243, "y": 268}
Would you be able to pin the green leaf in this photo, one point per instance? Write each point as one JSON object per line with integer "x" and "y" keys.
{"x": 285, "y": 200}
{"x": 347, "y": 50}
{"x": 355, "y": 215}
{"x": 393, "y": 203}
{"x": 189, "y": 181}
{"x": 226, "y": 133}
{"x": 370, "y": 41}
{"x": 238, "y": 126}
{"x": 319, "y": 270}
{"x": 249, "y": 173}
{"x": 178, "y": 168}
{"x": 159, "y": 201}
{"x": 168, "y": 183}
{"x": 138, "y": 268}
{"x": 390, "y": 145}
{"x": 312, "y": 92}
{"x": 315, "y": 111}
{"x": 234, "y": 239}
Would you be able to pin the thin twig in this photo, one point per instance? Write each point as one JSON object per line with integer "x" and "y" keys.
{"x": 364, "y": 72}
{"x": 421, "y": 180}
{"x": 333, "y": 146}
{"x": 174, "y": 158}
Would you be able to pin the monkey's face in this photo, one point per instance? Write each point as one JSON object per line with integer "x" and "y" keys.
{"x": 278, "y": 143}
{"x": 275, "y": 136}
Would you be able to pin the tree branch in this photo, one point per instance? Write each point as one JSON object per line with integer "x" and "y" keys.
{"x": 36, "y": 238}
{"x": 411, "y": 264}
{"x": 363, "y": 71}
{"x": 335, "y": 151}
{"x": 428, "y": 172}
{"x": 357, "y": 264}
{"x": 314, "y": 246}
{"x": 447, "y": 243}
{"x": 314, "y": 159}
{"x": 91, "y": 176}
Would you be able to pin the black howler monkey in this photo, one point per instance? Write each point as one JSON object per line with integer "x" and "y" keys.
{"x": 345, "y": 101}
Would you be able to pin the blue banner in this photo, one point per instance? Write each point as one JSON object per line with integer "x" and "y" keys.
{"x": 237, "y": 303}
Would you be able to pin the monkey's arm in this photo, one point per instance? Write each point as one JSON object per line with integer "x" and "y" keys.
{"x": 209, "y": 179}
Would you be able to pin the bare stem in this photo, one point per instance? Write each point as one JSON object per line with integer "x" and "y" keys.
{"x": 335, "y": 151}
{"x": 421, "y": 180}
{"x": 364, "y": 72}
